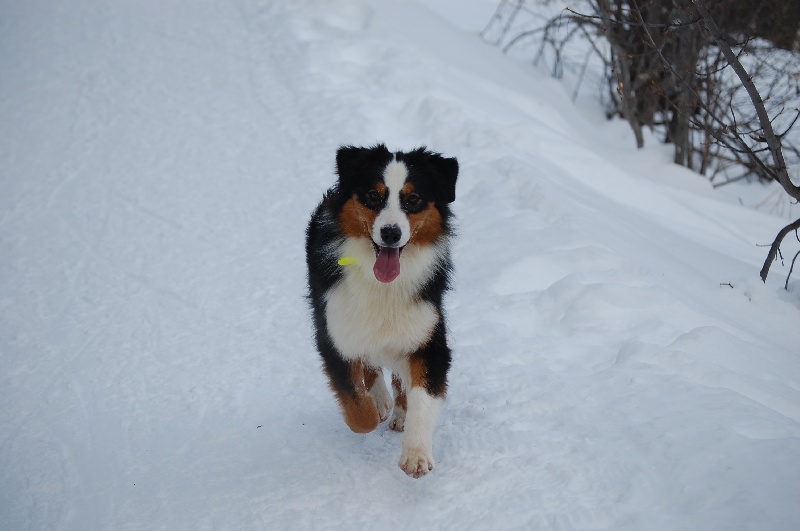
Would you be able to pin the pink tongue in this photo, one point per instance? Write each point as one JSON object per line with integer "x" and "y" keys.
{"x": 387, "y": 265}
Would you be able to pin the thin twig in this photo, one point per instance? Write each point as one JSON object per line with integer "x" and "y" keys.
{"x": 774, "y": 249}
{"x": 636, "y": 24}
{"x": 786, "y": 284}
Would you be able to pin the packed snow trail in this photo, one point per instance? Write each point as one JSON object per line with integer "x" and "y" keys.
{"x": 158, "y": 165}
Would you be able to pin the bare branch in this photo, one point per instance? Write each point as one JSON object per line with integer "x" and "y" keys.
{"x": 637, "y": 24}
{"x": 781, "y": 173}
{"x": 775, "y": 247}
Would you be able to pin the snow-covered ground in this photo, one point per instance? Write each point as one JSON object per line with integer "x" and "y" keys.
{"x": 618, "y": 362}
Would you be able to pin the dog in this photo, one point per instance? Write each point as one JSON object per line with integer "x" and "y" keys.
{"x": 378, "y": 257}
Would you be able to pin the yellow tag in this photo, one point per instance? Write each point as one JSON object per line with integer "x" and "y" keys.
{"x": 347, "y": 260}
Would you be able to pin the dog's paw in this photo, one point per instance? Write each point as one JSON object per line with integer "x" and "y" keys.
{"x": 360, "y": 414}
{"x": 398, "y": 421}
{"x": 383, "y": 400}
{"x": 416, "y": 462}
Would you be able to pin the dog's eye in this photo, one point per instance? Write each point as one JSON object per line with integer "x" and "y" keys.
{"x": 412, "y": 200}
{"x": 373, "y": 198}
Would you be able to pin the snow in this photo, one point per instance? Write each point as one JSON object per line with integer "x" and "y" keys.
{"x": 618, "y": 364}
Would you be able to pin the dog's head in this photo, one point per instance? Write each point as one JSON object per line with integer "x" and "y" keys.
{"x": 394, "y": 199}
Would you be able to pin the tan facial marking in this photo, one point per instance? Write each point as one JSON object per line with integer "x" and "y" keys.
{"x": 356, "y": 219}
{"x": 426, "y": 225}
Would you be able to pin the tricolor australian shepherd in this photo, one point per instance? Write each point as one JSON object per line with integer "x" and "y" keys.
{"x": 378, "y": 255}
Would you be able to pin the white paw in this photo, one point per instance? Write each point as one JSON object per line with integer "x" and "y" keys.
{"x": 398, "y": 419}
{"x": 416, "y": 462}
{"x": 383, "y": 400}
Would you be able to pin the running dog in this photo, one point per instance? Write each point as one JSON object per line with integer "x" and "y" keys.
{"x": 378, "y": 257}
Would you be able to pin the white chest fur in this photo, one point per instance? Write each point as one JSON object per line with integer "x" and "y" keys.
{"x": 381, "y": 322}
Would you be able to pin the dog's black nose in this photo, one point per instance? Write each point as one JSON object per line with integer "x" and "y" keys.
{"x": 390, "y": 234}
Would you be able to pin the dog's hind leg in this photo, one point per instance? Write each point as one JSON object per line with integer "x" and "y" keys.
{"x": 376, "y": 387}
{"x": 399, "y": 415}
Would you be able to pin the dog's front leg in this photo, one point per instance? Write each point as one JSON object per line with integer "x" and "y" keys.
{"x": 424, "y": 399}
{"x": 347, "y": 382}
{"x": 423, "y": 409}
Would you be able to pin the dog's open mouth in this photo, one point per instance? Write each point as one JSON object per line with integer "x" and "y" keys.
{"x": 387, "y": 263}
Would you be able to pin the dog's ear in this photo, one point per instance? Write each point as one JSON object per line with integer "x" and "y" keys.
{"x": 448, "y": 172}
{"x": 348, "y": 161}
{"x": 354, "y": 164}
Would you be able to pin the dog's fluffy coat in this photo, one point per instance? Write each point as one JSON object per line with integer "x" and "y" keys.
{"x": 381, "y": 307}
